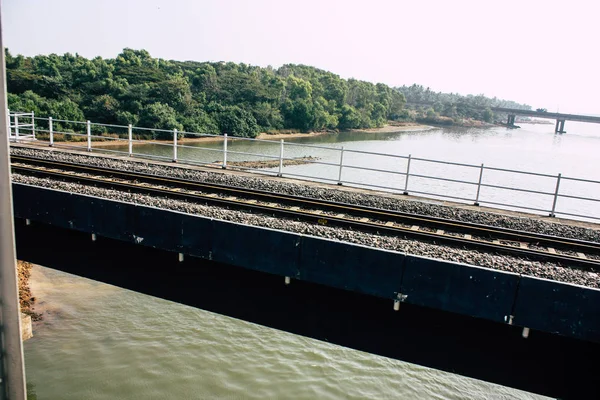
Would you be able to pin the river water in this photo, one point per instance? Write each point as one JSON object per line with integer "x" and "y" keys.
{"x": 101, "y": 342}
{"x": 533, "y": 148}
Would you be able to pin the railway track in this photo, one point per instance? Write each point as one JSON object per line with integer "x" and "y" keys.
{"x": 564, "y": 251}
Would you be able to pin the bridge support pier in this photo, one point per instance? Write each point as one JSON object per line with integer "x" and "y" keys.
{"x": 511, "y": 120}
{"x": 560, "y": 126}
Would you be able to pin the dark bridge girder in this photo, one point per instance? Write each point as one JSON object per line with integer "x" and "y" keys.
{"x": 544, "y": 363}
{"x": 454, "y": 317}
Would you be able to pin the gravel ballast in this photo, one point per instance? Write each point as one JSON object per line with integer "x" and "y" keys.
{"x": 320, "y": 192}
{"x": 472, "y": 257}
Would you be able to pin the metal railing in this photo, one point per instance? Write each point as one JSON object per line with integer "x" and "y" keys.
{"x": 475, "y": 184}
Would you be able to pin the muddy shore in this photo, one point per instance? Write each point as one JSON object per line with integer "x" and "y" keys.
{"x": 26, "y": 299}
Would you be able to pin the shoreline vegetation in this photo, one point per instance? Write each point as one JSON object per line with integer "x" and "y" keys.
{"x": 220, "y": 97}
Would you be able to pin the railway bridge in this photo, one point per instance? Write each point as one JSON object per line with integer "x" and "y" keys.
{"x": 504, "y": 327}
{"x": 512, "y": 113}
{"x": 559, "y": 117}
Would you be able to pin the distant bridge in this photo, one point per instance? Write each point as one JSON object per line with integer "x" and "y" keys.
{"x": 559, "y": 117}
{"x": 513, "y": 112}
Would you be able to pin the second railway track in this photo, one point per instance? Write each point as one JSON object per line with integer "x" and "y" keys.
{"x": 565, "y": 251}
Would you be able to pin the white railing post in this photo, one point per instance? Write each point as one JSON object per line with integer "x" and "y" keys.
{"x": 479, "y": 186}
{"x": 341, "y": 165}
{"x": 555, "y": 195}
{"x": 33, "y": 125}
{"x": 280, "y": 158}
{"x": 16, "y": 128}
{"x": 224, "y": 166}
{"x": 407, "y": 174}
{"x": 130, "y": 139}
{"x": 8, "y": 127}
{"x": 89, "y": 135}
{"x": 174, "y": 145}
{"x": 51, "y": 130}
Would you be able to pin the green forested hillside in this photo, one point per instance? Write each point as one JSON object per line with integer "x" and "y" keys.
{"x": 238, "y": 99}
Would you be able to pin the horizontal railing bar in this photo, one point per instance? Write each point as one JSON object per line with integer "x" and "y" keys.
{"x": 447, "y": 196}
{"x": 250, "y": 154}
{"x": 168, "y": 144}
{"x": 520, "y": 172}
{"x": 446, "y": 162}
{"x": 69, "y": 122}
{"x": 579, "y": 179}
{"x": 515, "y": 206}
{"x": 372, "y": 185}
{"x": 314, "y": 162}
{"x": 443, "y": 179}
{"x": 201, "y": 134}
{"x": 516, "y": 189}
{"x": 314, "y": 146}
{"x": 374, "y": 169}
{"x": 374, "y": 153}
{"x": 137, "y": 128}
{"x": 568, "y": 196}
{"x": 199, "y": 148}
{"x": 109, "y": 125}
{"x": 240, "y": 138}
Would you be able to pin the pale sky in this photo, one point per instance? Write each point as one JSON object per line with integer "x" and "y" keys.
{"x": 543, "y": 53}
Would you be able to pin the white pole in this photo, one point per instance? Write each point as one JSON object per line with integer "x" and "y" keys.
{"x": 51, "y": 129}
{"x": 33, "y": 125}
{"x": 13, "y": 369}
{"x": 479, "y": 186}
{"x": 341, "y": 165}
{"x": 555, "y": 195}
{"x": 280, "y": 158}
{"x": 89, "y": 135}
{"x": 407, "y": 174}
{"x": 130, "y": 137}
{"x": 16, "y": 128}
{"x": 174, "y": 145}
{"x": 224, "y": 166}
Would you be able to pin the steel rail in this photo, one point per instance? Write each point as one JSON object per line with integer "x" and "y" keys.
{"x": 364, "y": 211}
{"x": 340, "y": 219}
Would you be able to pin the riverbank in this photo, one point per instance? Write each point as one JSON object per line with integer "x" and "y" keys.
{"x": 396, "y": 127}
{"x": 26, "y": 299}
{"x": 276, "y": 135}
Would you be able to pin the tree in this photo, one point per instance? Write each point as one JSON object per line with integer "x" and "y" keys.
{"x": 237, "y": 122}
{"x": 213, "y": 97}
{"x": 160, "y": 116}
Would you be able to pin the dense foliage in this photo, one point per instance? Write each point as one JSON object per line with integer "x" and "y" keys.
{"x": 220, "y": 97}
{"x": 436, "y": 107}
